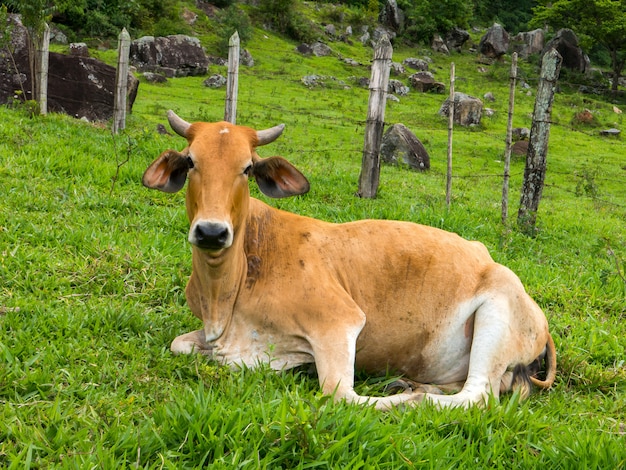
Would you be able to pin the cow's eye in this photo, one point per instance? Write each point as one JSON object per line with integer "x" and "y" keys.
{"x": 189, "y": 162}
{"x": 248, "y": 170}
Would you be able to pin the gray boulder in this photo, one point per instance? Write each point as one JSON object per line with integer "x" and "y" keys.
{"x": 12, "y": 80}
{"x": 467, "y": 109}
{"x": 439, "y": 45}
{"x": 351, "y": 62}
{"x": 391, "y": 16}
{"x": 318, "y": 49}
{"x": 528, "y": 43}
{"x": 304, "y": 49}
{"x": 324, "y": 81}
{"x": 321, "y": 50}
{"x": 520, "y": 133}
{"x": 57, "y": 36}
{"x": 397, "y": 69}
{"x": 398, "y": 88}
{"x": 245, "y": 58}
{"x": 173, "y": 56}
{"x": 611, "y": 132}
{"x": 495, "y": 43}
{"x": 215, "y": 81}
{"x": 425, "y": 82}
{"x": 82, "y": 87}
{"x": 79, "y": 49}
{"x": 415, "y": 64}
{"x": 401, "y": 146}
{"x": 365, "y": 37}
{"x": 456, "y": 38}
{"x": 152, "y": 77}
{"x": 566, "y": 43}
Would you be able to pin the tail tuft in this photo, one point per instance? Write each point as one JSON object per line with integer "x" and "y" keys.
{"x": 550, "y": 367}
{"x": 521, "y": 381}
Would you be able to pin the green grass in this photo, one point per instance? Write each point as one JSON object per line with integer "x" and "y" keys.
{"x": 93, "y": 271}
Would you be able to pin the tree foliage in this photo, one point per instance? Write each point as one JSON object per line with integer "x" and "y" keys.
{"x": 102, "y": 18}
{"x": 35, "y": 13}
{"x": 231, "y": 19}
{"x": 283, "y": 16}
{"x": 426, "y": 18}
{"x": 514, "y": 16}
{"x": 596, "y": 22}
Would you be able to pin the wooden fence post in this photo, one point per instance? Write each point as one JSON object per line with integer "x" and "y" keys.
{"x": 232, "y": 85}
{"x": 535, "y": 170}
{"x": 509, "y": 139}
{"x": 42, "y": 70}
{"x": 379, "y": 81}
{"x": 121, "y": 82}
{"x": 450, "y": 131}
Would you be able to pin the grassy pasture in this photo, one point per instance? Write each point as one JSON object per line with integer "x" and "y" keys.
{"x": 93, "y": 268}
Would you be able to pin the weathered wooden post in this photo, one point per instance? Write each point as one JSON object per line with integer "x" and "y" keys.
{"x": 121, "y": 82}
{"x": 232, "y": 84}
{"x": 450, "y": 131}
{"x": 42, "y": 70}
{"x": 379, "y": 81}
{"x": 509, "y": 133}
{"x": 535, "y": 170}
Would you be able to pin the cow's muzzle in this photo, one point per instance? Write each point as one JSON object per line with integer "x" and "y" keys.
{"x": 211, "y": 235}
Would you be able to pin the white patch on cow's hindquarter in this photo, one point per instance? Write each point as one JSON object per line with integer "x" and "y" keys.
{"x": 448, "y": 355}
{"x": 224, "y": 131}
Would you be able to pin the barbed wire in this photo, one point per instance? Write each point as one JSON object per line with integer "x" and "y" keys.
{"x": 523, "y": 76}
{"x": 496, "y": 136}
{"x": 361, "y": 122}
{"x": 576, "y": 193}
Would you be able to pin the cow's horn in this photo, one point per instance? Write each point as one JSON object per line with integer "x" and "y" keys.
{"x": 180, "y": 126}
{"x": 267, "y": 136}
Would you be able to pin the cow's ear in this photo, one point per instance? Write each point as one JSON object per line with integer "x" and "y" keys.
{"x": 278, "y": 178}
{"x": 168, "y": 172}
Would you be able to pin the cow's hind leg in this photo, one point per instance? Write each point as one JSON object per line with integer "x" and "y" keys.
{"x": 193, "y": 342}
{"x": 493, "y": 351}
{"x": 335, "y": 356}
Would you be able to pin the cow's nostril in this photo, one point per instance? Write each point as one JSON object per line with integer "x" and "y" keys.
{"x": 211, "y": 235}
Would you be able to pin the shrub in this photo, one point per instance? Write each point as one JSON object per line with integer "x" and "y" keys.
{"x": 282, "y": 16}
{"x": 229, "y": 20}
{"x": 425, "y": 19}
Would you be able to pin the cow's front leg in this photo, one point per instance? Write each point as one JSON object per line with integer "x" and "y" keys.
{"x": 334, "y": 350}
{"x": 194, "y": 342}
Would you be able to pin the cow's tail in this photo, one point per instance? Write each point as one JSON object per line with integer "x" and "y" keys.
{"x": 525, "y": 376}
{"x": 550, "y": 359}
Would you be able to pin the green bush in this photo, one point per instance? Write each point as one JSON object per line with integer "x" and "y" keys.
{"x": 229, "y": 20}
{"x": 353, "y": 16}
{"x": 513, "y": 16}
{"x": 425, "y": 19}
{"x": 283, "y": 17}
{"x": 96, "y": 23}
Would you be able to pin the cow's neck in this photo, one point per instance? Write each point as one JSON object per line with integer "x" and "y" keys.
{"x": 219, "y": 284}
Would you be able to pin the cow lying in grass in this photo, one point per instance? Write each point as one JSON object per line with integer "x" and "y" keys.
{"x": 272, "y": 286}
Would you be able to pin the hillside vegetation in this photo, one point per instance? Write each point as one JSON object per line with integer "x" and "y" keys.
{"x": 93, "y": 268}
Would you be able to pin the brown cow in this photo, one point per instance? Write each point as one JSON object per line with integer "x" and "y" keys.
{"x": 278, "y": 288}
